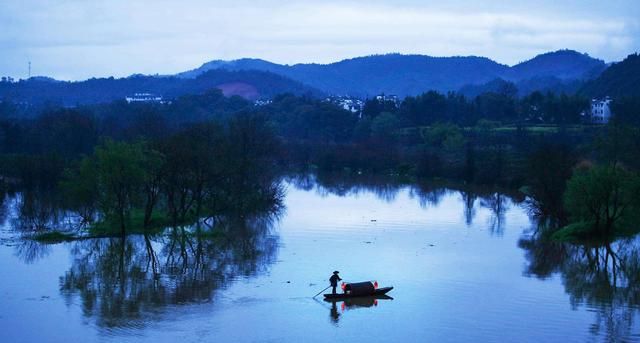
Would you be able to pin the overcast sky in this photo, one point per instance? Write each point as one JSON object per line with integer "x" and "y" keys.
{"x": 78, "y": 39}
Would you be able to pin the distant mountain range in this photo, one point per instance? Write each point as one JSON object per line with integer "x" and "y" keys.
{"x": 560, "y": 71}
{"x": 404, "y": 75}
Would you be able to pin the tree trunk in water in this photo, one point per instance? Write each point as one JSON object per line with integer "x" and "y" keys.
{"x": 122, "y": 227}
{"x": 148, "y": 211}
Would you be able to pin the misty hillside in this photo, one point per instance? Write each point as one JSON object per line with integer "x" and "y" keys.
{"x": 620, "y": 79}
{"x": 413, "y": 74}
{"x": 249, "y": 84}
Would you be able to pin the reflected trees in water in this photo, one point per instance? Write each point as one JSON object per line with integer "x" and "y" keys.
{"x": 498, "y": 205}
{"x": 429, "y": 195}
{"x": 384, "y": 188}
{"x": 603, "y": 276}
{"x": 37, "y": 211}
{"x": 126, "y": 281}
{"x": 469, "y": 201}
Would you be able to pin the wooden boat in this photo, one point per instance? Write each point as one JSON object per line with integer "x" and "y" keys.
{"x": 376, "y": 292}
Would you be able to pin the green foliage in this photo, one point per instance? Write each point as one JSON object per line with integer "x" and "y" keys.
{"x": 606, "y": 198}
{"x": 112, "y": 179}
{"x": 306, "y": 119}
{"x": 577, "y": 231}
{"x": 374, "y": 107}
{"x": 203, "y": 170}
{"x": 384, "y": 125}
{"x": 551, "y": 108}
{"x": 425, "y": 109}
{"x": 447, "y": 136}
{"x": 53, "y": 237}
{"x": 120, "y": 173}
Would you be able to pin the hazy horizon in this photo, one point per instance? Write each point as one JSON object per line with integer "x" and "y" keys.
{"x": 75, "y": 40}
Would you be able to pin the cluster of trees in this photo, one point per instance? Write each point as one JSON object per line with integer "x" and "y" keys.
{"x": 603, "y": 200}
{"x": 204, "y": 170}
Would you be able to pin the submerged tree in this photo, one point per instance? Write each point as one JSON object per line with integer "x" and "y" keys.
{"x": 120, "y": 174}
{"x": 603, "y": 200}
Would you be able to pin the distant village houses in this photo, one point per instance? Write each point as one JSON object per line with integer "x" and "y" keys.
{"x": 352, "y": 105}
{"x": 262, "y": 102}
{"x": 145, "y": 97}
{"x": 389, "y": 98}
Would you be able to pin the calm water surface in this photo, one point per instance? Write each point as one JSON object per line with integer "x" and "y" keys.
{"x": 464, "y": 268}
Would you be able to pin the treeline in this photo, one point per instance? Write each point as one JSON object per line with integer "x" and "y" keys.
{"x": 70, "y": 132}
{"x": 502, "y": 106}
{"x": 485, "y": 140}
{"x": 433, "y": 135}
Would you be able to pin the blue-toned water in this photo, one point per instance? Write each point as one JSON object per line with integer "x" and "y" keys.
{"x": 465, "y": 266}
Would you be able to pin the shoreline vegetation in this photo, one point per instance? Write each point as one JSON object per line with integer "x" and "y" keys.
{"x": 123, "y": 168}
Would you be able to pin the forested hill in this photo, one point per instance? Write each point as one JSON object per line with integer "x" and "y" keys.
{"x": 414, "y": 74}
{"x": 620, "y": 79}
{"x": 561, "y": 64}
{"x": 248, "y": 84}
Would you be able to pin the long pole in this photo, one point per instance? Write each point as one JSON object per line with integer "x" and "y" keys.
{"x": 322, "y": 291}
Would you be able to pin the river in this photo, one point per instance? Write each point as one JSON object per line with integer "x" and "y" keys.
{"x": 465, "y": 266}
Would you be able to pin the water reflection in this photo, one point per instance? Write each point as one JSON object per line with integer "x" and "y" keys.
{"x": 352, "y": 304}
{"x": 385, "y": 188}
{"x": 31, "y": 211}
{"x": 30, "y": 251}
{"x": 428, "y": 194}
{"x": 125, "y": 282}
{"x": 469, "y": 202}
{"x": 36, "y": 211}
{"x": 604, "y": 277}
{"x": 498, "y": 205}
{"x": 4, "y": 206}
{"x": 134, "y": 281}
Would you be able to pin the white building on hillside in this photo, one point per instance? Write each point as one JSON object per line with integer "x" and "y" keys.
{"x": 600, "y": 111}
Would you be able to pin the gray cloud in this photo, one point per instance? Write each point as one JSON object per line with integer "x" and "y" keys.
{"x": 74, "y": 39}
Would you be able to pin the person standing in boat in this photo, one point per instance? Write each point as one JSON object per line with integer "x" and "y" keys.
{"x": 334, "y": 281}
